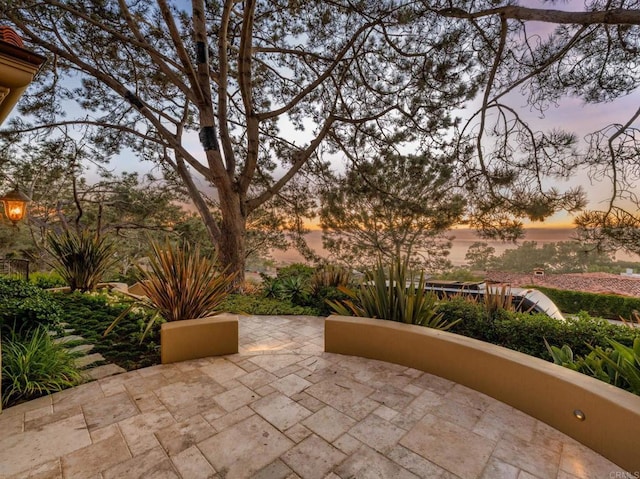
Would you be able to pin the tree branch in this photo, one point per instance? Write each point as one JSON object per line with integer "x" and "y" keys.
{"x": 618, "y": 16}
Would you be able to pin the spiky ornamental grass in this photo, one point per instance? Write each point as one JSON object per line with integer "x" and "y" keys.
{"x": 81, "y": 258}
{"x": 183, "y": 284}
{"x": 396, "y": 294}
{"x": 180, "y": 283}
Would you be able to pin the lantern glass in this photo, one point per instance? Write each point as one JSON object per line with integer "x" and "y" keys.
{"x": 15, "y": 205}
{"x": 15, "y": 210}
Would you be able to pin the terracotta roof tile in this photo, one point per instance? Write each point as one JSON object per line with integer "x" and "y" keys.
{"x": 588, "y": 282}
{"x": 8, "y": 35}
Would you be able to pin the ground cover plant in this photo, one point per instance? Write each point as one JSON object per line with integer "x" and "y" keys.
{"x": 91, "y": 314}
{"x": 47, "y": 280}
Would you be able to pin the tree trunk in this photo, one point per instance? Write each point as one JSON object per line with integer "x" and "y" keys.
{"x": 231, "y": 247}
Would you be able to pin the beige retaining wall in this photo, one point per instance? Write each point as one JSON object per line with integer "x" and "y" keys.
{"x": 539, "y": 388}
{"x": 198, "y": 338}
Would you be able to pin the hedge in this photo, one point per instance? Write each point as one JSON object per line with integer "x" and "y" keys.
{"x": 526, "y": 332}
{"x": 610, "y": 306}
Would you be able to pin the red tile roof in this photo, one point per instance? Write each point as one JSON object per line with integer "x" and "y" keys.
{"x": 8, "y": 35}
{"x": 588, "y": 282}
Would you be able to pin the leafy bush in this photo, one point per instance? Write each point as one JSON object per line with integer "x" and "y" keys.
{"x": 618, "y": 365}
{"x": 610, "y": 306}
{"x": 396, "y": 295}
{"x": 81, "y": 258}
{"x": 24, "y": 306}
{"x": 295, "y": 270}
{"x": 33, "y": 365}
{"x": 253, "y": 304}
{"x": 526, "y": 332}
{"x": 47, "y": 280}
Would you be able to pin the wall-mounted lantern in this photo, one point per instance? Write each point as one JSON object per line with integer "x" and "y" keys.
{"x": 15, "y": 205}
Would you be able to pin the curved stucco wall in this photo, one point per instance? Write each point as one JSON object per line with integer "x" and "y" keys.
{"x": 548, "y": 392}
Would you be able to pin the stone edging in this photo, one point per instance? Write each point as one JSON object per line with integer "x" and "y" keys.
{"x": 546, "y": 391}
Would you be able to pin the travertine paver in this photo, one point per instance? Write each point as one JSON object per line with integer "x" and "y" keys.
{"x": 282, "y": 408}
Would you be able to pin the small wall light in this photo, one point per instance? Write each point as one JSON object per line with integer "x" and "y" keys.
{"x": 579, "y": 415}
{"x": 15, "y": 205}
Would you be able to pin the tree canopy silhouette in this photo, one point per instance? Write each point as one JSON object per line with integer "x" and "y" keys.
{"x": 271, "y": 88}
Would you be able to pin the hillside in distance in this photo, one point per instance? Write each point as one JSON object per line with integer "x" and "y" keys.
{"x": 463, "y": 239}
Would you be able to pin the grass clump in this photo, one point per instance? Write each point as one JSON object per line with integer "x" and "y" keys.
{"x": 82, "y": 258}
{"x": 33, "y": 365}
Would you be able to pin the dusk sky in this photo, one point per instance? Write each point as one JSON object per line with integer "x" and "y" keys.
{"x": 571, "y": 115}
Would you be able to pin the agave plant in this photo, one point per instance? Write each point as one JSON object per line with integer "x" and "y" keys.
{"x": 395, "y": 294}
{"x": 180, "y": 283}
{"x": 81, "y": 259}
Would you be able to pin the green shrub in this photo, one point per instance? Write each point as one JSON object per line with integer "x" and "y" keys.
{"x": 296, "y": 270}
{"x": 618, "y": 365}
{"x": 47, "y": 280}
{"x": 33, "y": 365}
{"x": 252, "y": 304}
{"x": 81, "y": 258}
{"x": 473, "y": 321}
{"x": 292, "y": 283}
{"x": 24, "y": 306}
{"x": 526, "y": 332}
{"x": 609, "y": 306}
{"x": 395, "y": 294}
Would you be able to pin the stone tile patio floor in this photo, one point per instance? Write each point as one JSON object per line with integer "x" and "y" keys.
{"x": 282, "y": 408}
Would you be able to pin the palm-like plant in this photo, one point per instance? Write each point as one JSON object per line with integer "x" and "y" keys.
{"x": 81, "y": 258}
{"x": 396, "y": 294}
{"x": 180, "y": 283}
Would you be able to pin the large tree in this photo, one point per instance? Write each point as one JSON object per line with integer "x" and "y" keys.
{"x": 247, "y": 74}
{"x": 244, "y": 75}
{"x": 392, "y": 206}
